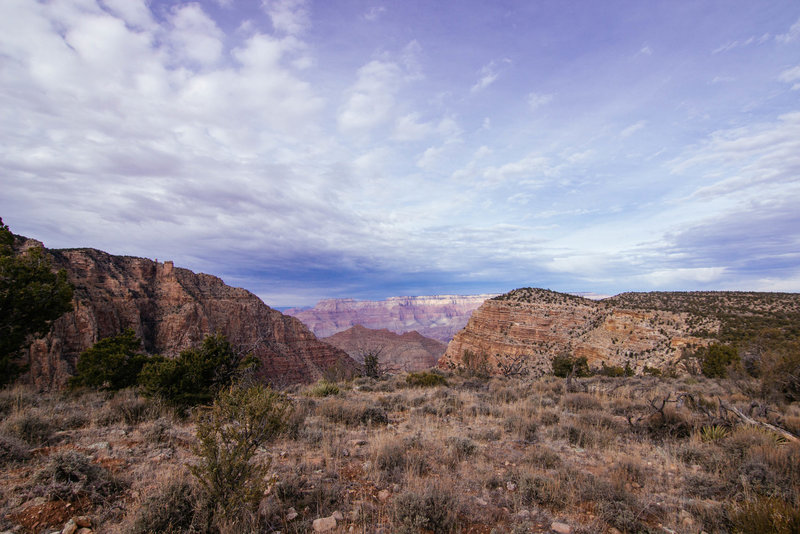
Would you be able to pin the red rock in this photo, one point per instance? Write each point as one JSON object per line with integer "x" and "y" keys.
{"x": 171, "y": 309}
{"x": 398, "y": 352}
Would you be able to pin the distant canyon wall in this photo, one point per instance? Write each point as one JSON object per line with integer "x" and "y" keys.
{"x": 531, "y": 326}
{"x": 410, "y": 351}
{"x": 171, "y": 309}
{"x": 438, "y": 317}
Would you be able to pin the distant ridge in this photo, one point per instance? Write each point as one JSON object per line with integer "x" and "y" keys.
{"x": 435, "y": 316}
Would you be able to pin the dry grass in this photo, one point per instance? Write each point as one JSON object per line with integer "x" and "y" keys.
{"x": 475, "y": 455}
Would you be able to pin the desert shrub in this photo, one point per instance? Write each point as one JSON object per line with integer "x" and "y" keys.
{"x": 703, "y": 485}
{"x": 170, "y": 510}
{"x": 294, "y": 490}
{"x": 475, "y": 365}
{"x": 614, "y": 371}
{"x": 780, "y": 373}
{"x": 578, "y": 402}
{"x": 126, "y": 407}
{"x": 30, "y": 426}
{"x": 352, "y": 413}
{"x": 544, "y": 458}
{"x": 715, "y": 359}
{"x": 323, "y": 388}
{"x": 765, "y": 515}
{"x": 460, "y": 448}
{"x": 671, "y": 423}
{"x": 548, "y": 418}
{"x": 157, "y": 431}
{"x": 542, "y": 490}
{"x": 112, "y": 363}
{"x": 432, "y": 507}
{"x": 425, "y": 379}
{"x": 524, "y": 427}
{"x": 70, "y": 475}
{"x": 12, "y": 450}
{"x": 395, "y": 458}
{"x": 618, "y": 507}
{"x": 652, "y": 371}
{"x": 197, "y": 374}
{"x": 563, "y": 365}
{"x": 713, "y": 432}
{"x": 228, "y": 434}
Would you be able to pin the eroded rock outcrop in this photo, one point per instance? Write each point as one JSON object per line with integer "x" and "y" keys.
{"x": 410, "y": 351}
{"x": 437, "y": 317}
{"x": 532, "y": 326}
{"x": 171, "y": 309}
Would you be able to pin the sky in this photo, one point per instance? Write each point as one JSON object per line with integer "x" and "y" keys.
{"x": 366, "y": 149}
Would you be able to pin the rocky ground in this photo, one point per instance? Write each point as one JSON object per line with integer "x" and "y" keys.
{"x": 474, "y": 455}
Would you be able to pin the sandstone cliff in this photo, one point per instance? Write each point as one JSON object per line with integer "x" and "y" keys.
{"x": 438, "y": 317}
{"x": 533, "y": 325}
{"x": 397, "y": 352}
{"x": 171, "y": 309}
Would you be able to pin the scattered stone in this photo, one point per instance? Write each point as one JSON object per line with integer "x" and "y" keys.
{"x": 70, "y": 527}
{"x": 510, "y": 486}
{"x": 560, "y": 528}
{"x": 83, "y": 521}
{"x": 523, "y": 515}
{"x": 291, "y": 514}
{"x": 395, "y": 488}
{"x": 101, "y": 446}
{"x": 383, "y": 495}
{"x": 324, "y": 524}
{"x": 480, "y": 502}
{"x": 84, "y": 530}
{"x": 337, "y": 515}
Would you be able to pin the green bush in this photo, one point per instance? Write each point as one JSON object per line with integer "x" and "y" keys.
{"x": 715, "y": 359}
{"x": 31, "y": 297}
{"x": 229, "y": 433}
{"x": 112, "y": 363}
{"x": 323, "y": 388}
{"x": 425, "y": 379}
{"x": 196, "y": 374}
{"x": 563, "y": 366}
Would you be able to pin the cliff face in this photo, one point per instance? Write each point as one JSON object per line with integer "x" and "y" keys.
{"x": 438, "y": 317}
{"x": 533, "y": 325}
{"x": 171, "y": 309}
{"x": 398, "y": 352}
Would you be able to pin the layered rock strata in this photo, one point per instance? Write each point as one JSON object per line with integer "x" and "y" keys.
{"x": 408, "y": 352}
{"x": 531, "y": 326}
{"x": 437, "y": 317}
{"x": 172, "y": 309}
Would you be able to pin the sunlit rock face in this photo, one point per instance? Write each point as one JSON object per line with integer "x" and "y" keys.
{"x": 531, "y": 326}
{"x": 437, "y": 317}
{"x": 172, "y": 309}
{"x": 410, "y": 351}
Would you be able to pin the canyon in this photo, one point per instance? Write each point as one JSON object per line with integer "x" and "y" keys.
{"x": 171, "y": 309}
{"x": 407, "y": 352}
{"x": 438, "y": 317}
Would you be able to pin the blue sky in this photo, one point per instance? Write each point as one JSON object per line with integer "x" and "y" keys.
{"x": 367, "y": 149}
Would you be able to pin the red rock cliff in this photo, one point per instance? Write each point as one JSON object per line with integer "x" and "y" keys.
{"x": 397, "y": 352}
{"x": 534, "y": 325}
{"x": 171, "y": 309}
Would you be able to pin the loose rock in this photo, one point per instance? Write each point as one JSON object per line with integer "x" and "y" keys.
{"x": 560, "y": 528}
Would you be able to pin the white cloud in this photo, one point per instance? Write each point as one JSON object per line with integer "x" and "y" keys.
{"x": 537, "y": 100}
{"x": 646, "y": 50}
{"x": 791, "y": 75}
{"x": 196, "y": 37}
{"x": 632, "y": 129}
{"x": 374, "y": 12}
{"x": 134, "y": 12}
{"x": 683, "y": 277}
{"x": 289, "y": 17}
{"x": 371, "y": 99}
{"x": 409, "y": 128}
{"x": 792, "y": 35}
{"x": 488, "y": 75}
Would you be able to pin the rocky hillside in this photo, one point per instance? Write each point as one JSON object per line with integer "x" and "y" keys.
{"x": 397, "y": 352}
{"x": 438, "y": 317}
{"x": 171, "y": 309}
{"x": 533, "y": 325}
